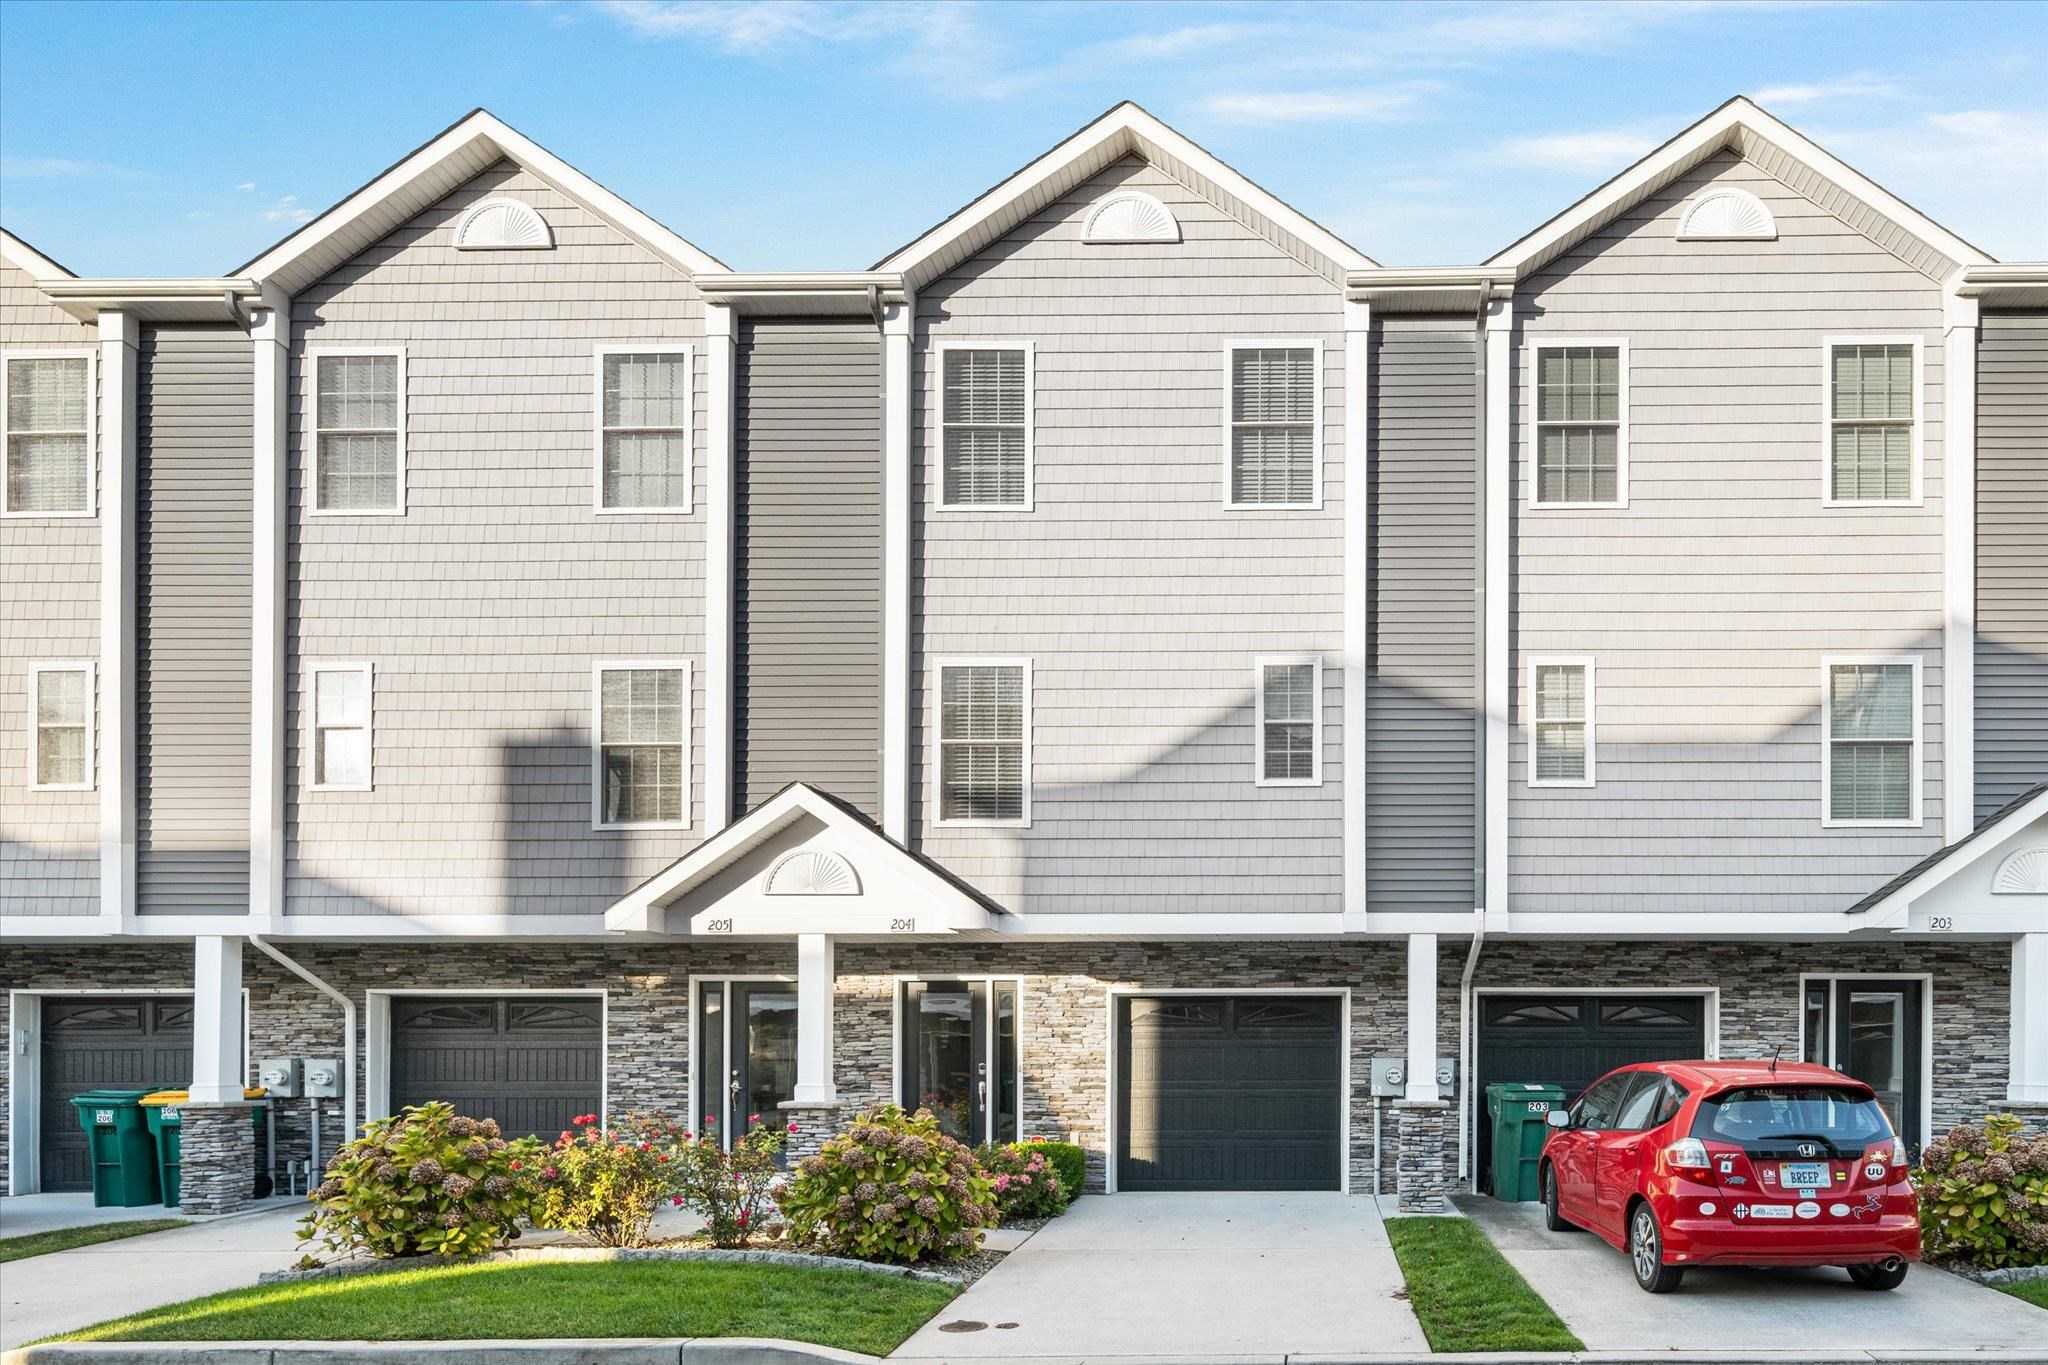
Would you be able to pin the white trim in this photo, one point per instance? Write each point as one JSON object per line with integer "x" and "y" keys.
{"x": 1991, "y": 838}
{"x": 694, "y": 1082}
{"x": 598, "y": 429}
{"x": 35, "y": 725}
{"x": 1358, "y": 603}
{"x": 1828, "y": 420}
{"x": 721, "y": 333}
{"x": 377, "y": 1034}
{"x": 1093, "y": 234}
{"x": 1260, "y": 722}
{"x": 597, "y": 671}
{"x": 309, "y": 701}
{"x": 1497, "y": 495}
{"x": 463, "y": 225}
{"x": 898, "y": 365}
{"x": 938, "y": 667}
{"x": 29, "y": 261}
{"x": 1533, "y": 461}
{"x": 989, "y": 983}
{"x": 92, "y": 438}
{"x": 119, "y": 661}
{"x": 1959, "y": 568}
{"x": 1312, "y": 344}
{"x": 1686, "y": 232}
{"x": 1926, "y": 981}
{"x": 1115, "y": 993}
{"x": 1827, "y": 739}
{"x": 311, "y": 500}
{"x": 270, "y": 573}
{"x": 937, "y": 399}
{"x": 1530, "y": 718}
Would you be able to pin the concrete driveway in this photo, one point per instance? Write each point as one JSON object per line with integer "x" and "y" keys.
{"x": 1195, "y": 1276}
{"x": 1590, "y": 1286}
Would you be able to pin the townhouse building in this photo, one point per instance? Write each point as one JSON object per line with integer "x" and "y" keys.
{"x": 1126, "y": 668}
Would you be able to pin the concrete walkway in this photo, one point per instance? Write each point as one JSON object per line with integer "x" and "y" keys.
{"x": 1195, "y": 1276}
{"x": 22, "y": 1214}
{"x": 1816, "y": 1312}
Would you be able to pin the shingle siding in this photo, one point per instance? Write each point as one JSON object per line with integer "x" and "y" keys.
{"x": 1711, "y": 599}
{"x": 49, "y": 610}
{"x": 1141, "y": 599}
{"x": 807, "y": 698}
{"x": 2012, "y": 557}
{"x": 195, "y": 416}
{"x": 485, "y": 605}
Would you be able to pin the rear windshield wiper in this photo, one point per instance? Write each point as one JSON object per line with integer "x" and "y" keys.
{"x": 1822, "y": 1138}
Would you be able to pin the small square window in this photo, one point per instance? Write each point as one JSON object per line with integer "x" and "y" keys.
{"x": 359, "y": 432}
{"x": 47, "y": 421}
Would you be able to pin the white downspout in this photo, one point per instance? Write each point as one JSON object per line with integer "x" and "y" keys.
{"x": 348, "y": 1053}
{"x": 1468, "y": 1054}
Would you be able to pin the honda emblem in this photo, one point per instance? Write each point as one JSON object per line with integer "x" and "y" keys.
{"x": 1808, "y": 1149}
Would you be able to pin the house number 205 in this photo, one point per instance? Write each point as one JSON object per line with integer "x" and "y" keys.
{"x": 717, "y": 926}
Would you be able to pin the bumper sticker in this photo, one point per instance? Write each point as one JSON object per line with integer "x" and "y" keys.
{"x": 1839, "y": 1210}
{"x": 1809, "y": 1210}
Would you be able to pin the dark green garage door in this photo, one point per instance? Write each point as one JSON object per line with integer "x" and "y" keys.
{"x": 104, "y": 1043}
{"x": 530, "y": 1062}
{"x": 1573, "y": 1040}
{"x": 1229, "y": 1093}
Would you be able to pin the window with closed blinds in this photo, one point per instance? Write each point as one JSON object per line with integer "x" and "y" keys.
{"x": 644, "y": 431}
{"x": 1872, "y": 402}
{"x": 61, "y": 705}
{"x": 985, "y": 413}
{"x": 1872, "y": 742}
{"x": 1560, "y": 723}
{"x": 1273, "y": 456}
{"x": 983, "y": 763}
{"x": 1579, "y": 441}
{"x": 359, "y": 420}
{"x": 643, "y": 753}
{"x": 1290, "y": 723}
{"x": 48, "y": 424}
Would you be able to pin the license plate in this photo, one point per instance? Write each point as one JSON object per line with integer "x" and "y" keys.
{"x": 1768, "y": 1211}
{"x": 1803, "y": 1175}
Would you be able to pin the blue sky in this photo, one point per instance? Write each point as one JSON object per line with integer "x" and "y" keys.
{"x": 145, "y": 138}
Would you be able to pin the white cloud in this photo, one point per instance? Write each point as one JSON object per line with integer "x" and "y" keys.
{"x": 64, "y": 168}
{"x": 247, "y": 187}
{"x": 1856, "y": 87}
{"x": 1318, "y": 106}
{"x": 287, "y": 210}
{"x": 756, "y": 26}
{"x": 1604, "y": 150}
{"x": 1982, "y": 173}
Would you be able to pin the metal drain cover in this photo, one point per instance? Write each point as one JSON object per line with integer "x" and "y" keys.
{"x": 963, "y": 1325}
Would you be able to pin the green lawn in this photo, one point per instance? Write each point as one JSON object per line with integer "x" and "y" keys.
{"x": 849, "y": 1309}
{"x": 1466, "y": 1295}
{"x": 2033, "y": 1291}
{"x": 64, "y": 1239}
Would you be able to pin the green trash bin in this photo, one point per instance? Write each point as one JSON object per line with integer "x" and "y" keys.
{"x": 124, "y": 1174}
{"x": 167, "y": 1128}
{"x": 1520, "y": 1114}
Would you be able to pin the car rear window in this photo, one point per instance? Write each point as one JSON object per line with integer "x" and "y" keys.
{"x": 1765, "y": 1117}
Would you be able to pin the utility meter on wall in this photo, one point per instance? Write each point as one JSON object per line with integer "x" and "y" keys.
{"x": 279, "y": 1076}
{"x": 323, "y": 1077}
{"x": 1389, "y": 1077}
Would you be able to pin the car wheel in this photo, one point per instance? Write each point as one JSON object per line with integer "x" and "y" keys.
{"x": 1646, "y": 1252}
{"x": 1878, "y": 1276}
{"x": 1553, "y": 1217}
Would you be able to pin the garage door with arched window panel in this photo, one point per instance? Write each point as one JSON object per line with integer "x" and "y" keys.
{"x": 530, "y": 1062}
{"x": 103, "y": 1043}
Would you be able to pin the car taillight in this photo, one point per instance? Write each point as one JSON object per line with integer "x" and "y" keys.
{"x": 1892, "y": 1152}
{"x": 1688, "y": 1154}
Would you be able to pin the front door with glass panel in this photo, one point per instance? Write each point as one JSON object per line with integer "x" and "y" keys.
{"x": 960, "y": 1056}
{"x": 746, "y": 1054}
{"x": 1870, "y": 1029}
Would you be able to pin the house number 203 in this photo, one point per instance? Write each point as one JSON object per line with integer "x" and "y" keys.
{"x": 1941, "y": 924}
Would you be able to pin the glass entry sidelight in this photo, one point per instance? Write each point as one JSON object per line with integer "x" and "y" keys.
{"x": 959, "y": 1056}
{"x": 1870, "y": 1028}
{"x": 746, "y": 1054}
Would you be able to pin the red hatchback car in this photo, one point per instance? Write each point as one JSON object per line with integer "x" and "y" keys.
{"x": 1734, "y": 1163}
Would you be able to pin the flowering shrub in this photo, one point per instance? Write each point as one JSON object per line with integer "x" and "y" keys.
{"x": 1067, "y": 1158}
{"x": 428, "y": 1182}
{"x": 1984, "y": 1195}
{"x": 607, "y": 1181}
{"x": 1026, "y": 1184}
{"x": 893, "y": 1187}
{"x": 730, "y": 1190}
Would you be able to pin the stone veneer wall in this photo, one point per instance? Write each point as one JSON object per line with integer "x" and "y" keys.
{"x": 217, "y": 1158}
{"x": 1425, "y": 1171}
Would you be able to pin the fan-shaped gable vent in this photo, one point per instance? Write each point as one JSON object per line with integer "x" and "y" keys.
{"x": 2025, "y": 871}
{"x": 812, "y": 872}
{"x": 503, "y": 225}
{"x": 1727, "y": 215}
{"x": 1130, "y": 216}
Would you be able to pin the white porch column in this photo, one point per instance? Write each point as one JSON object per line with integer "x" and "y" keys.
{"x": 896, "y": 521}
{"x": 720, "y": 334}
{"x": 1357, "y": 596}
{"x": 217, "y": 1071}
{"x": 1422, "y": 1087}
{"x": 119, "y": 336}
{"x": 2029, "y": 1081}
{"x": 813, "y": 1019}
{"x": 269, "y": 534}
{"x": 1959, "y": 572}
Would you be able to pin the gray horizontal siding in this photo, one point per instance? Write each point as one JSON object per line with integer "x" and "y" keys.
{"x": 1422, "y": 654}
{"x": 807, "y": 702}
{"x": 195, "y": 409}
{"x": 2012, "y": 557}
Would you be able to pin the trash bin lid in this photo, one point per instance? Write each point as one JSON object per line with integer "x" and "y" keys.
{"x": 104, "y": 1098}
{"x": 185, "y": 1096}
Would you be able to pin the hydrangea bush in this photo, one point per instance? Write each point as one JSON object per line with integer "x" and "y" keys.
{"x": 893, "y": 1187}
{"x": 1984, "y": 1195}
{"x": 1026, "y": 1183}
{"x": 426, "y": 1182}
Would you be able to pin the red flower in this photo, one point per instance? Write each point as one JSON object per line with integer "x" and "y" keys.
{"x": 549, "y": 1173}
{"x": 688, "y": 1136}
{"x": 676, "y": 1200}
{"x": 515, "y": 1165}
{"x": 710, "y": 1119}
{"x": 753, "y": 1118}
{"x": 792, "y": 1128}
{"x": 645, "y": 1146}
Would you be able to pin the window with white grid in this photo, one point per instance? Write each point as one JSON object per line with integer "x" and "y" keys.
{"x": 1290, "y": 723}
{"x": 983, "y": 728}
{"x": 985, "y": 413}
{"x": 1273, "y": 456}
{"x": 338, "y": 726}
{"x": 643, "y": 726}
{"x": 359, "y": 432}
{"x": 61, "y": 707}
{"x": 1872, "y": 407}
{"x": 47, "y": 421}
{"x": 1871, "y": 758}
{"x": 644, "y": 431}
{"x": 1561, "y": 723}
{"x": 1581, "y": 433}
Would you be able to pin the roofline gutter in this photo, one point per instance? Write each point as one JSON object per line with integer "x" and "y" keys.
{"x": 84, "y": 299}
{"x": 1444, "y": 288}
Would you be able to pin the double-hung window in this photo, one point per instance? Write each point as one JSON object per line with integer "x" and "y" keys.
{"x": 359, "y": 432}
{"x": 984, "y": 734}
{"x": 1873, "y": 422}
{"x": 641, "y": 762}
{"x": 1581, "y": 393}
{"x": 643, "y": 418}
{"x": 985, "y": 421}
{"x": 1560, "y": 722}
{"x": 1870, "y": 752}
{"x": 1275, "y": 433}
{"x": 60, "y": 710}
{"x": 338, "y": 704}
{"x": 47, "y": 421}
{"x": 1290, "y": 722}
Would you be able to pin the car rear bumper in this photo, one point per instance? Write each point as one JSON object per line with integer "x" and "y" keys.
{"x": 1707, "y": 1241}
